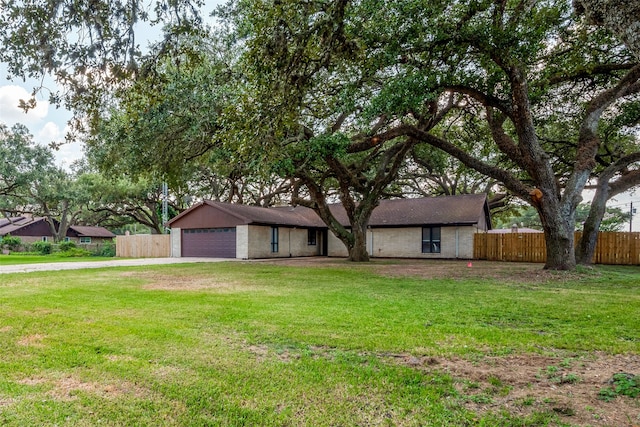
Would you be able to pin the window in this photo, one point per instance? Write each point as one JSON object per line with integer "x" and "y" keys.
{"x": 430, "y": 240}
{"x": 45, "y": 238}
{"x": 311, "y": 237}
{"x": 67, "y": 239}
{"x": 85, "y": 240}
{"x": 274, "y": 239}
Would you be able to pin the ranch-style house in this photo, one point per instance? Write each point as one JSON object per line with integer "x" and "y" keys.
{"x": 432, "y": 227}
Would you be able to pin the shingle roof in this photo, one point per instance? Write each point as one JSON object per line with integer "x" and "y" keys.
{"x": 10, "y": 225}
{"x": 445, "y": 210}
{"x": 10, "y": 220}
{"x": 16, "y": 223}
{"x": 281, "y": 215}
{"x": 88, "y": 231}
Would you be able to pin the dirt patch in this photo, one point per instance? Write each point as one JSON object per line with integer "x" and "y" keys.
{"x": 34, "y": 340}
{"x": 567, "y": 387}
{"x": 120, "y": 358}
{"x": 67, "y": 388}
{"x": 521, "y": 385}
{"x": 439, "y": 269}
{"x": 166, "y": 282}
{"x": 6, "y": 402}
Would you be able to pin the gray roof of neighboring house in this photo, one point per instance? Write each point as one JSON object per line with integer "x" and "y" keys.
{"x": 445, "y": 210}
{"x": 89, "y": 231}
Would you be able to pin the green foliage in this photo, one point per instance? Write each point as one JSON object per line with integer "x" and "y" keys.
{"x": 11, "y": 242}
{"x": 22, "y": 162}
{"x": 623, "y": 384}
{"x": 305, "y": 90}
{"x": 65, "y": 246}
{"x": 614, "y": 218}
{"x": 106, "y": 249}
{"x": 403, "y": 94}
{"x": 117, "y": 202}
{"x": 171, "y": 114}
{"x": 41, "y": 39}
{"x": 18, "y": 258}
{"x": 73, "y": 252}
{"x": 43, "y": 248}
{"x": 558, "y": 375}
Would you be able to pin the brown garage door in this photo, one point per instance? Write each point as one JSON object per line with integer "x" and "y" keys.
{"x": 209, "y": 242}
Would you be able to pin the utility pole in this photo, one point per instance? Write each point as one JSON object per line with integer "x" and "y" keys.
{"x": 165, "y": 210}
{"x": 631, "y": 212}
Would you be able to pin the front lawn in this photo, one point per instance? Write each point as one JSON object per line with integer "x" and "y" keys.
{"x": 17, "y": 258}
{"x": 258, "y": 343}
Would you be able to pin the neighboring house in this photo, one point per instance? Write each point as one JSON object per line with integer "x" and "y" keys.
{"x": 84, "y": 234}
{"x": 33, "y": 229}
{"x": 434, "y": 227}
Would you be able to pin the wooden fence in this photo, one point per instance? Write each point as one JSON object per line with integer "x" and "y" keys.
{"x": 143, "y": 246}
{"x": 612, "y": 248}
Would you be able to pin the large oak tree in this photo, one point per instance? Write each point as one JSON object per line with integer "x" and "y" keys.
{"x": 621, "y": 17}
{"x": 316, "y": 105}
{"x": 337, "y": 78}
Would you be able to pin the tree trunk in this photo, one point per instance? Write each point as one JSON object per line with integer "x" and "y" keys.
{"x": 605, "y": 189}
{"x": 586, "y": 247}
{"x": 621, "y": 17}
{"x": 358, "y": 250}
{"x": 560, "y": 252}
{"x": 558, "y": 221}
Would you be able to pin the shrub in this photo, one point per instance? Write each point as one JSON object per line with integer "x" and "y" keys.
{"x": 108, "y": 249}
{"x": 65, "y": 246}
{"x": 43, "y": 248}
{"x": 11, "y": 242}
{"x": 74, "y": 252}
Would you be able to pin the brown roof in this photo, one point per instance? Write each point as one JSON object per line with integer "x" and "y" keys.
{"x": 446, "y": 210}
{"x": 16, "y": 223}
{"x": 88, "y": 231}
{"x": 464, "y": 209}
{"x": 6, "y": 221}
{"x": 246, "y": 214}
{"x": 8, "y": 226}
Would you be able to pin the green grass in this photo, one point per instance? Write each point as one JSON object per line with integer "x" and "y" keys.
{"x": 235, "y": 344}
{"x": 18, "y": 258}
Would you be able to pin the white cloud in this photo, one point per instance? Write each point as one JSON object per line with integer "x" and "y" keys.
{"x": 49, "y": 132}
{"x": 68, "y": 153}
{"x": 10, "y": 113}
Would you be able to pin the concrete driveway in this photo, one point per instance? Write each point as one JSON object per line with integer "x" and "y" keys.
{"x": 54, "y": 266}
